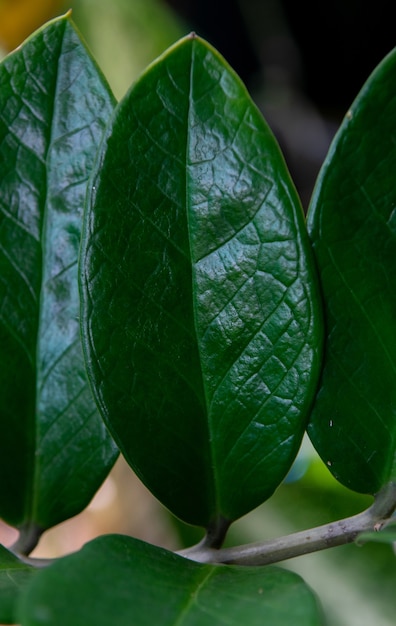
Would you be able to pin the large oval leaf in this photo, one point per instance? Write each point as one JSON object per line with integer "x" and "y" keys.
{"x": 54, "y": 448}
{"x": 353, "y": 228}
{"x": 120, "y": 580}
{"x": 200, "y": 315}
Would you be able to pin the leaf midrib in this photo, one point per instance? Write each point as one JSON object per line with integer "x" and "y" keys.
{"x": 215, "y": 477}
{"x": 32, "y": 496}
{"x": 193, "y": 595}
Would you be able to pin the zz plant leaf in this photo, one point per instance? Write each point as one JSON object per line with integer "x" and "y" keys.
{"x": 201, "y": 323}
{"x": 54, "y": 448}
{"x": 150, "y": 585}
{"x": 352, "y": 223}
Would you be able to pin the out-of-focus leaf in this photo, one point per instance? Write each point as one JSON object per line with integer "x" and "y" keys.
{"x": 386, "y": 535}
{"x": 54, "y": 448}
{"x": 119, "y": 580}
{"x": 200, "y": 310}
{"x": 352, "y": 223}
{"x": 14, "y": 577}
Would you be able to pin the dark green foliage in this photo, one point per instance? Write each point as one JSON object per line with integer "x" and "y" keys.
{"x": 146, "y": 585}
{"x": 353, "y": 229}
{"x": 54, "y": 449}
{"x": 200, "y": 317}
{"x": 14, "y": 577}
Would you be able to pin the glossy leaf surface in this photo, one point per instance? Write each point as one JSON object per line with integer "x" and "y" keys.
{"x": 54, "y": 449}
{"x": 352, "y": 222}
{"x": 200, "y": 316}
{"x": 14, "y": 577}
{"x": 120, "y": 580}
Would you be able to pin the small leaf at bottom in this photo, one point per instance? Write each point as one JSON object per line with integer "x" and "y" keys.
{"x": 14, "y": 577}
{"x": 119, "y": 580}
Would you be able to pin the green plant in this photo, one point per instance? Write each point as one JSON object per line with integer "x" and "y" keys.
{"x": 215, "y": 326}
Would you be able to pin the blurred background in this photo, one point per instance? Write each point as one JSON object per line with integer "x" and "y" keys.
{"x": 303, "y": 63}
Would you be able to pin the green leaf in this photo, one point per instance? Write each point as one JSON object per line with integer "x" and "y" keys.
{"x": 54, "y": 448}
{"x": 116, "y": 579}
{"x": 14, "y": 577}
{"x": 353, "y": 229}
{"x": 200, "y": 311}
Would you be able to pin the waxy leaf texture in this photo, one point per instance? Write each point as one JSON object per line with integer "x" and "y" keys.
{"x": 149, "y": 585}
{"x": 352, "y": 223}
{"x": 200, "y": 314}
{"x": 54, "y": 448}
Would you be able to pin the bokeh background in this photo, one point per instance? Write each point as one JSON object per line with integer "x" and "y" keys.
{"x": 303, "y": 63}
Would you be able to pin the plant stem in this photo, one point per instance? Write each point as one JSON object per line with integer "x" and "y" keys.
{"x": 29, "y": 535}
{"x": 304, "y": 542}
{"x": 216, "y": 533}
